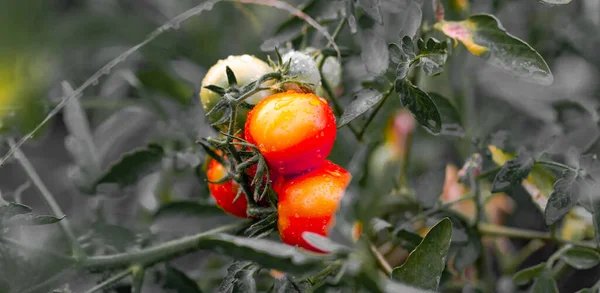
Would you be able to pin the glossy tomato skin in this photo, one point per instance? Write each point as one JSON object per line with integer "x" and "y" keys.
{"x": 224, "y": 193}
{"x": 307, "y": 203}
{"x": 294, "y": 131}
{"x": 247, "y": 69}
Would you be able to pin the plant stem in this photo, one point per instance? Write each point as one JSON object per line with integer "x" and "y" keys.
{"x": 48, "y": 197}
{"x": 115, "y": 278}
{"x": 152, "y": 255}
{"x": 501, "y": 231}
{"x": 555, "y": 165}
{"x": 372, "y": 116}
{"x": 383, "y": 264}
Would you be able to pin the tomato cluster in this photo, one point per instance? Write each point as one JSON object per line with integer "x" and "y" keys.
{"x": 294, "y": 132}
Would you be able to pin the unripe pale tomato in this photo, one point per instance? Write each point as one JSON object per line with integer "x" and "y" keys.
{"x": 246, "y": 69}
{"x": 304, "y": 69}
{"x": 308, "y": 203}
{"x": 294, "y": 131}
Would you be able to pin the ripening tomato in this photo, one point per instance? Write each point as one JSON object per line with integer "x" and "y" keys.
{"x": 246, "y": 69}
{"x": 308, "y": 203}
{"x": 294, "y": 131}
{"x": 224, "y": 193}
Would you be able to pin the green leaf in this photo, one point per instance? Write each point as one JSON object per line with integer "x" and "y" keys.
{"x": 161, "y": 80}
{"x": 408, "y": 47}
{"x": 363, "y": 101}
{"x": 512, "y": 173}
{"x": 451, "y": 124}
{"x": 324, "y": 243}
{"x": 396, "y": 54}
{"x": 232, "y": 272}
{"x": 484, "y": 36}
{"x": 523, "y": 276}
{"x": 420, "y": 104}
{"x": 133, "y": 165}
{"x": 266, "y": 253}
{"x": 408, "y": 240}
{"x": 424, "y": 266}
{"x": 544, "y": 283}
{"x": 432, "y": 57}
{"x": 402, "y": 70}
{"x": 555, "y": 2}
{"x": 32, "y": 220}
{"x": 178, "y": 281}
{"x": 581, "y": 258}
{"x": 245, "y": 282}
{"x": 188, "y": 208}
{"x": 10, "y": 209}
{"x": 560, "y": 201}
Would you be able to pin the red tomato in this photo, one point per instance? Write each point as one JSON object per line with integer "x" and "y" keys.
{"x": 294, "y": 131}
{"x": 309, "y": 202}
{"x": 225, "y": 193}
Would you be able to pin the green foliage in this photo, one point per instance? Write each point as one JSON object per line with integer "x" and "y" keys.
{"x": 524, "y": 276}
{"x": 581, "y": 258}
{"x": 420, "y": 105}
{"x": 424, "y": 266}
{"x": 133, "y": 166}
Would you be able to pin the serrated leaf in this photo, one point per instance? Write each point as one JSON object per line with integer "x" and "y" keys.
{"x": 178, "y": 281}
{"x": 484, "y": 36}
{"x": 408, "y": 47}
{"x": 561, "y": 199}
{"x": 232, "y": 271}
{"x": 374, "y": 52}
{"x": 31, "y": 220}
{"x": 581, "y": 258}
{"x": 402, "y": 70}
{"x": 284, "y": 285}
{"x": 512, "y": 173}
{"x": 432, "y": 56}
{"x": 364, "y": 100}
{"x": 451, "y": 124}
{"x": 244, "y": 282}
{"x": 420, "y": 104}
{"x": 424, "y": 266}
{"x": 133, "y": 165}
{"x": 408, "y": 240}
{"x": 167, "y": 83}
{"x": 544, "y": 283}
{"x": 523, "y": 276}
{"x": 266, "y": 253}
{"x": 396, "y": 54}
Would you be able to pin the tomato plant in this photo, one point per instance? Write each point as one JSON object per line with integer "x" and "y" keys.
{"x": 299, "y": 146}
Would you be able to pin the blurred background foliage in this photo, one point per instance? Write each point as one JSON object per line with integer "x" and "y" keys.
{"x": 49, "y": 47}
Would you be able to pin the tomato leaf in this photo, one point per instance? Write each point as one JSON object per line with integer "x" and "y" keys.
{"x": 451, "y": 124}
{"x": 544, "y": 283}
{"x": 432, "y": 56}
{"x": 484, "y": 36}
{"x": 425, "y": 264}
{"x": 31, "y": 220}
{"x": 133, "y": 165}
{"x": 178, "y": 281}
{"x": 581, "y": 258}
{"x": 512, "y": 173}
{"x": 420, "y": 105}
{"x": 266, "y": 253}
{"x": 363, "y": 101}
{"x": 374, "y": 52}
{"x": 9, "y": 209}
{"x": 523, "y": 276}
{"x": 562, "y": 199}
{"x": 555, "y": 2}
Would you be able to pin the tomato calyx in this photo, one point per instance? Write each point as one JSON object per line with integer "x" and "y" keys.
{"x": 235, "y": 95}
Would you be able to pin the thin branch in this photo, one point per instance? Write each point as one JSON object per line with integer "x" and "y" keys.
{"x": 372, "y": 116}
{"x": 383, "y": 264}
{"x": 152, "y": 255}
{"x": 115, "y": 278}
{"x": 47, "y": 195}
{"x": 501, "y": 231}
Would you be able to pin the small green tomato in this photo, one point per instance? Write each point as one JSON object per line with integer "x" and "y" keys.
{"x": 304, "y": 69}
